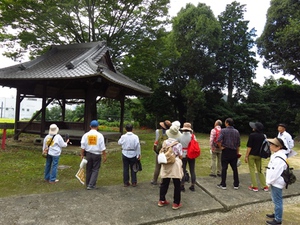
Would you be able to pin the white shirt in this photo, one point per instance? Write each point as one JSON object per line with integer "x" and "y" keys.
{"x": 93, "y": 142}
{"x": 130, "y": 145}
{"x": 275, "y": 169}
{"x": 56, "y": 144}
{"x": 287, "y": 140}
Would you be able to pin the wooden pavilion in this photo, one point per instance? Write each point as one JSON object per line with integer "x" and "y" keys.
{"x": 76, "y": 71}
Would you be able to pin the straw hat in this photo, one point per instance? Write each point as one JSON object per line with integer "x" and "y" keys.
{"x": 166, "y": 124}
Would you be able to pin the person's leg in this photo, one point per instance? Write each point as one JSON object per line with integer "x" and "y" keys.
{"x": 177, "y": 191}
{"x": 125, "y": 170}
{"x": 213, "y": 166}
{"x": 164, "y": 188}
{"x": 219, "y": 165}
{"x": 276, "y": 194}
{"x": 251, "y": 165}
{"x": 224, "y": 172}
{"x": 261, "y": 175}
{"x": 47, "y": 168}
{"x": 233, "y": 164}
{"x": 184, "y": 162}
{"x": 95, "y": 170}
{"x": 53, "y": 173}
{"x": 156, "y": 171}
{"x": 192, "y": 170}
{"x": 89, "y": 167}
{"x": 132, "y": 161}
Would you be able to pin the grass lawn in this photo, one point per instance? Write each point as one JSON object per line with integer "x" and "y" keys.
{"x": 22, "y": 165}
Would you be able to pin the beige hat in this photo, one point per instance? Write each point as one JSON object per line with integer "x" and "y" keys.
{"x": 166, "y": 124}
{"x": 173, "y": 132}
{"x": 187, "y": 127}
{"x": 53, "y": 129}
{"x": 278, "y": 142}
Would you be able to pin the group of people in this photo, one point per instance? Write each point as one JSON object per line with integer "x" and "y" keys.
{"x": 225, "y": 150}
{"x": 171, "y": 134}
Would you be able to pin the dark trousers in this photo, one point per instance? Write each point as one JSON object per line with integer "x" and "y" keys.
{"x": 191, "y": 163}
{"x": 92, "y": 168}
{"x": 164, "y": 186}
{"x": 128, "y": 163}
{"x": 229, "y": 156}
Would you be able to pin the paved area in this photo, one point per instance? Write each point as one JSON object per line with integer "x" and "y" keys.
{"x": 117, "y": 205}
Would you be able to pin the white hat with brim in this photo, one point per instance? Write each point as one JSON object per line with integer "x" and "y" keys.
{"x": 53, "y": 129}
{"x": 173, "y": 132}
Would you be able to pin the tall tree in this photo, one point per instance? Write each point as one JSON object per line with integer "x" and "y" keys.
{"x": 193, "y": 42}
{"x": 38, "y": 24}
{"x": 279, "y": 44}
{"x": 236, "y": 60}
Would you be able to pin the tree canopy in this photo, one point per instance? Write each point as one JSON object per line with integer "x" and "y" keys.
{"x": 236, "y": 58}
{"x": 39, "y": 24}
{"x": 279, "y": 44}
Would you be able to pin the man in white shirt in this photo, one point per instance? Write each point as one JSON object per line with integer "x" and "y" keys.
{"x": 286, "y": 138}
{"x": 131, "y": 152}
{"x": 93, "y": 149}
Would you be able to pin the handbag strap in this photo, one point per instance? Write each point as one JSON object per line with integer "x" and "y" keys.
{"x": 51, "y": 140}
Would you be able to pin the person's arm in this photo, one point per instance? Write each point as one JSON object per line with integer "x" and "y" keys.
{"x": 290, "y": 142}
{"x": 104, "y": 156}
{"x": 82, "y": 154}
{"x": 211, "y": 139}
{"x": 247, "y": 154}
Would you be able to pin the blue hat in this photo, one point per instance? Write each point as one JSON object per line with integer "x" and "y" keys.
{"x": 94, "y": 123}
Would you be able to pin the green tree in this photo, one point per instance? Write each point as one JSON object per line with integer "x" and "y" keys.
{"x": 279, "y": 44}
{"x": 39, "y": 24}
{"x": 236, "y": 61}
{"x": 193, "y": 43}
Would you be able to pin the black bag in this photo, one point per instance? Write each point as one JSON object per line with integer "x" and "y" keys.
{"x": 137, "y": 166}
{"x": 187, "y": 177}
{"x": 264, "y": 151}
{"x": 288, "y": 175}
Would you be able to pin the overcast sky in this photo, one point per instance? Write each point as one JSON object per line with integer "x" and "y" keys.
{"x": 256, "y": 14}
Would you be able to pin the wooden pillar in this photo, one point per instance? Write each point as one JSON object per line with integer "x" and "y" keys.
{"x": 44, "y": 106}
{"x": 17, "y": 113}
{"x": 122, "y": 101}
{"x": 63, "y": 109}
{"x": 90, "y": 108}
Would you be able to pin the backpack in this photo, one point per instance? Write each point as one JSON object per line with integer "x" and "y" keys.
{"x": 166, "y": 154}
{"x": 193, "y": 148}
{"x": 264, "y": 151}
{"x": 215, "y": 141}
{"x": 287, "y": 174}
{"x": 161, "y": 138}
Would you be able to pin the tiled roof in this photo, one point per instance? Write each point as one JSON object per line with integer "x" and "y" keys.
{"x": 71, "y": 62}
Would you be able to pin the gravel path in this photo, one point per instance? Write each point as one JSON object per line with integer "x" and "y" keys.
{"x": 253, "y": 214}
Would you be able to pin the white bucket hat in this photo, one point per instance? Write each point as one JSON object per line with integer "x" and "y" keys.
{"x": 53, "y": 129}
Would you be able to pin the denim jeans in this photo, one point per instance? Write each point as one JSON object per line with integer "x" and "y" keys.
{"x": 51, "y": 168}
{"x": 276, "y": 194}
{"x": 128, "y": 163}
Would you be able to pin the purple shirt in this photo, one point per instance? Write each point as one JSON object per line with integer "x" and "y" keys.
{"x": 230, "y": 138}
